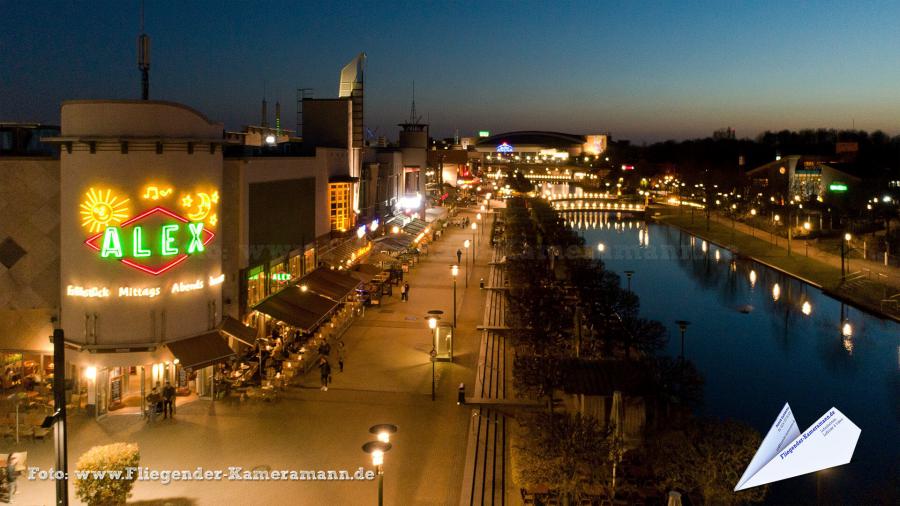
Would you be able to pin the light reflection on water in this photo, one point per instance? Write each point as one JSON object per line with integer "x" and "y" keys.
{"x": 761, "y": 339}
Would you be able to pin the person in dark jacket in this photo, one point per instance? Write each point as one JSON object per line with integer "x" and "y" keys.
{"x": 325, "y": 371}
{"x": 168, "y": 394}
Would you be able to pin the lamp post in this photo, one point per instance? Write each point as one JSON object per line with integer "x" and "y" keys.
{"x": 682, "y": 325}
{"x": 601, "y": 248}
{"x": 433, "y": 354}
{"x": 466, "y": 244}
{"x": 752, "y": 226}
{"x": 454, "y": 272}
{"x": 474, "y": 229}
{"x": 377, "y": 450}
{"x": 628, "y": 275}
{"x": 58, "y": 419}
{"x": 775, "y": 219}
{"x": 844, "y": 243}
{"x": 478, "y": 218}
{"x": 807, "y": 227}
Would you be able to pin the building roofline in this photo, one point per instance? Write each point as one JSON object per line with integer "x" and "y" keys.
{"x": 135, "y": 101}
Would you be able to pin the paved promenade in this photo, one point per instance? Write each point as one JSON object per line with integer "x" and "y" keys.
{"x": 387, "y": 379}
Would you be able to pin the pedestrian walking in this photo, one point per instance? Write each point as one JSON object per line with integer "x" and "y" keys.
{"x": 325, "y": 349}
{"x": 11, "y": 461}
{"x": 168, "y": 394}
{"x": 325, "y": 371}
{"x": 341, "y": 356}
{"x": 458, "y": 256}
{"x": 405, "y": 292}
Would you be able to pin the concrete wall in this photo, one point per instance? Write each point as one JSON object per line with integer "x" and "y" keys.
{"x": 29, "y": 288}
{"x": 327, "y": 122}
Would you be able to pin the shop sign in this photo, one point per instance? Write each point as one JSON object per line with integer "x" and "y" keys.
{"x": 148, "y": 292}
{"x": 87, "y": 292}
{"x": 156, "y": 239}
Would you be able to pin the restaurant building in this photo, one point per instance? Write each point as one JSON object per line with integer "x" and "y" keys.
{"x": 141, "y": 207}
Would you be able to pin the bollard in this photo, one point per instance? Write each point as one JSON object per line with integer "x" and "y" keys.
{"x": 481, "y": 284}
{"x": 461, "y": 395}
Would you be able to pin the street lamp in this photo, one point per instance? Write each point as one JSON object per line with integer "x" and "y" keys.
{"x": 474, "y": 228}
{"x": 844, "y": 247}
{"x": 601, "y": 248}
{"x": 383, "y": 431}
{"x": 628, "y": 274}
{"x": 466, "y": 245}
{"x": 377, "y": 450}
{"x": 454, "y": 272}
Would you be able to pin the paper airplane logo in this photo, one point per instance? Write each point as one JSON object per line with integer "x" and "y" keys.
{"x": 785, "y": 452}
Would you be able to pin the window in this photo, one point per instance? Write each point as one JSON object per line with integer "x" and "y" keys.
{"x": 339, "y": 199}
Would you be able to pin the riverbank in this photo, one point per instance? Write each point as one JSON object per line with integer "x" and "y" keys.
{"x": 813, "y": 268}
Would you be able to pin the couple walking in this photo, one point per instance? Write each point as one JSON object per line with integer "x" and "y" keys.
{"x": 404, "y": 292}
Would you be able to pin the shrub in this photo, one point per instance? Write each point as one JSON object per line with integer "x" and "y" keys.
{"x": 97, "y": 490}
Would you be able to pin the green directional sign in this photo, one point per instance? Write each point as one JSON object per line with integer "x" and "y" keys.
{"x": 484, "y": 133}
{"x": 837, "y": 187}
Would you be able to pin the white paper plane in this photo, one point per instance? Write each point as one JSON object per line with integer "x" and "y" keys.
{"x": 785, "y": 452}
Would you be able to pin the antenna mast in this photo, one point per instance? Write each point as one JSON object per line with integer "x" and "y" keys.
{"x": 144, "y": 58}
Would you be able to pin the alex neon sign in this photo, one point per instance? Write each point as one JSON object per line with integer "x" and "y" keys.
{"x": 153, "y": 242}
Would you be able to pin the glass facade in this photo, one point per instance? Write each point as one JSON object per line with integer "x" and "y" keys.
{"x": 341, "y": 212}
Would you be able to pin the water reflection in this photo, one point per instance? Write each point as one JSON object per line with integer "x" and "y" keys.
{"x": 761, "y": 348}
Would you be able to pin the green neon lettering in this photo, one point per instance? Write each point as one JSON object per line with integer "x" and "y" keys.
{"x": 139, "y": 250}
{"x": 112, "y": 246}
{"x": 196, "y": 243}
{"x": 168, "y": 248}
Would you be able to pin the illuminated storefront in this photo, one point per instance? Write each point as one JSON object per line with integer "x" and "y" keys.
{"x": 141, "y": 256}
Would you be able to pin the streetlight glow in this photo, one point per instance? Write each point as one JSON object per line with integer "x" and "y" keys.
{"x": 847, "y": 329}
{"x": 847, "y": 236}
{"x": 454, "y": 270}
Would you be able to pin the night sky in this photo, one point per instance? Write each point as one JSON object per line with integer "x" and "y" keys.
{"x": 643, "y": 71}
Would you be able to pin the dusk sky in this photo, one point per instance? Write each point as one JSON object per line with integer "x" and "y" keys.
{"x": 643, "y": 71}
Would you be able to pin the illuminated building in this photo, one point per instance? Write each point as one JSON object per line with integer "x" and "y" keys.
{"x": 804, "y": 176}
{"x": 543, "y": 145}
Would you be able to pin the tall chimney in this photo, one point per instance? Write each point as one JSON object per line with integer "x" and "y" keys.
{"x": 278, "y": 117}
{"x": 265, "y": 114}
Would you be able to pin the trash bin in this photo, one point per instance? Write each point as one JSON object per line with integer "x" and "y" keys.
{"x": 461, "y": 394}
{"x": 481, "y": 284}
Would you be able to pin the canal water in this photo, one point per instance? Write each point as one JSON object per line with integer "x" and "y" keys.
{"x": 761, "y": 339}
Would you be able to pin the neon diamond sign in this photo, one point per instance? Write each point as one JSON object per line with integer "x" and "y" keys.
{"x": 134, "y": 243}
